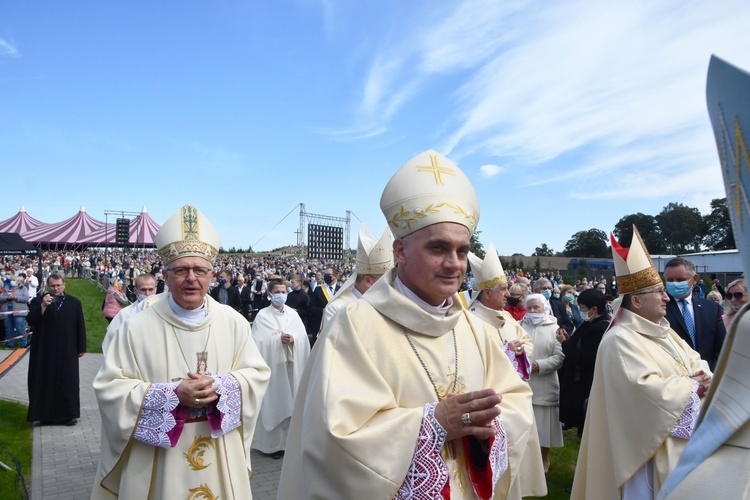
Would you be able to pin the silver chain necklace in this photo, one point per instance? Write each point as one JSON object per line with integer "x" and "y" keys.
{"x": 424, "y": 366}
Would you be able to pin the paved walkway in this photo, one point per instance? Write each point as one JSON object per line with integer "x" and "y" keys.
{"x": 64, "y": 459}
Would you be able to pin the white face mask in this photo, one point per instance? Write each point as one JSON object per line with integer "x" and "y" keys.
{"x": 278, "y": 299}
{"x": 535, "y": 318}
{"x": 588, "y": 316}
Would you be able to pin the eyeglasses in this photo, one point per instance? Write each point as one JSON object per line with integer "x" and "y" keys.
{"x": 659, "y": 291}
{"x": 735, "y": 296}
{"x": 181, "y": 272}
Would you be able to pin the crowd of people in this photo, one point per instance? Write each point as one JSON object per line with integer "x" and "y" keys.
{"x": 470, "y": 373}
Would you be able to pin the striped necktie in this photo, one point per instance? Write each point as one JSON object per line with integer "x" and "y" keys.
{"x": 689, "y": 323}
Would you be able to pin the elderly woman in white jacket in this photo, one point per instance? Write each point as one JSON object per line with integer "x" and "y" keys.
{"x": 546, "y": 359}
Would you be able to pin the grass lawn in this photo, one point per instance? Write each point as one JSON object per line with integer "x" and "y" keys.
{"x": 15, "y": 437}
{"x": 562, "y": 466}
{"x": 91, "y": 297}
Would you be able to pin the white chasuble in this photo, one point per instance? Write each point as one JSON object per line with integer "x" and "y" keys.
{"x": 286, "y": 361}
{"x": 141, "y": 369}
{"x": 641, "y": 389}
{"x": 360, "y": 407}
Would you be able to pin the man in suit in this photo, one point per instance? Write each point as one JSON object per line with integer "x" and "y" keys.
{"x": 246, "y": 297}
{"x": 544, "y": 286}
{"x": 696, "y": 320}
{"x": 225, "y": 293}
{"x": 322, "y": 295}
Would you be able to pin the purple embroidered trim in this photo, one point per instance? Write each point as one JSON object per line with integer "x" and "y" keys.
{"x": 686, "y": 423}
{"x": 158, "y": 425}
{"x": 428, "y": 473}
{"x": 519, "y": 361}
{"x": 226, "y": 413}
{"x": 498, "y": 453}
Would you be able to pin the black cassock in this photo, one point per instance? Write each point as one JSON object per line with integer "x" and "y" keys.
{"x": 58, "y": 336}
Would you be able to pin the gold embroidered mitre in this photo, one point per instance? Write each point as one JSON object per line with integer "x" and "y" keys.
{"x": 488, "y": 272}
{"x": 373, "y": 256}
{"x": 187, "y": 233}
{"x": 427, "y": 190}
{"x": 633, "y": 266}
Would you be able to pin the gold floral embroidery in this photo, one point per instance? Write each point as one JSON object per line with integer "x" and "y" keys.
{"x": 404, "y": 219}
{"x": 638, "y": 280}
{"x": 202, "y": 491}
{"x": 500, "y": 280}
{"x": 197, "y": 451}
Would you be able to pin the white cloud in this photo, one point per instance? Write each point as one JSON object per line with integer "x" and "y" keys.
{"x": 574, "y": 91}
{"x": 489, "y": 171}
{"x": 7, "y": 49}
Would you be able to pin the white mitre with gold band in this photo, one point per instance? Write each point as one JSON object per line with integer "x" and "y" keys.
{"x": 187, "y": 233}
{"x": 427, "y": 190}
{"x": 488, "y": 272}
{"x": 374, "y": 256}
{"x": 633, "y": 266}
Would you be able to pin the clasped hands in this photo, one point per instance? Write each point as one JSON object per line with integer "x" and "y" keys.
{"x": 287, "y": 338}
{"x": 481, "y": 407}
{"x": 704, "y": 381}
{"x": 196, "y": 391}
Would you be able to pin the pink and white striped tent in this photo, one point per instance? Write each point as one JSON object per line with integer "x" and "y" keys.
{"x": 80, "y": 230}
{"x": 20, "y": 223}
{"x": 142, "y": 230}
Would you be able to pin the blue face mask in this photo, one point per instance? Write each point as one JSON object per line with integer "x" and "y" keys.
{"x": 141, "y": 298}
{"x": 678, "y": 289}
{"x": 556, "y": 295}
{"x": 222, "y": 281}
{"x": 547, "y": 294}
{"x": 278, "y": 299}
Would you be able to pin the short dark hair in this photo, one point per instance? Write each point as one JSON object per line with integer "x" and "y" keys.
{"x": 679, "y": 261}
{"x": 273, "y": 282}
{"x": 627, "y": 301}
{"x": 55, "y": 276}
{"x": 593, "y": 298}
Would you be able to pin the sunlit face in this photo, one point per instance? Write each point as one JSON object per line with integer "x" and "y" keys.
{"x": 651, "y": 303}
{"x": 497, "y": 296}
{"x": 56, "y": 287}
{"x": 146, "y": 286}
{"x": 737, "y": 297}
{"x": 432, "y": 261}
{"x": 190, "y": 290}
{"x": 535, "y": 306}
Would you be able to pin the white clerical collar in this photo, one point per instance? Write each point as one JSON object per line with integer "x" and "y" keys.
{"x": 189, "y": 315}
{"x": 438, "y": 311}
{"x": 279, "y": 311}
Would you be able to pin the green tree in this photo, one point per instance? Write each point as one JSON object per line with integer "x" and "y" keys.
{"x": 476, "y": 246}
{"x": 543, "y": 251}
{"x": 682, "y": 227}
{"x": 719, "y": 233}
{"x": 647, "y": 226}
{"x": 591, "y": 243}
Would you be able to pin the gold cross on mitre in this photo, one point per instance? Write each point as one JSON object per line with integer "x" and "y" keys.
{"x": 436, "y": 169}
{"x": 379, "y": 249}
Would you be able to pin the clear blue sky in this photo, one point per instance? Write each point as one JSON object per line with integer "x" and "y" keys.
{"x": 565, "y": 115}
